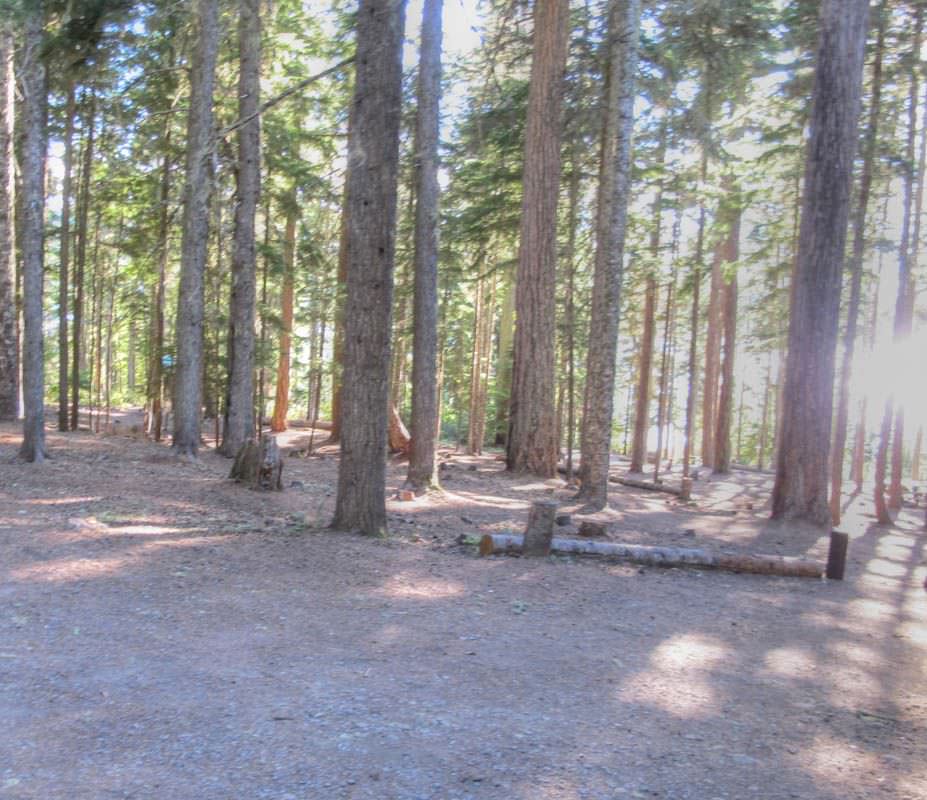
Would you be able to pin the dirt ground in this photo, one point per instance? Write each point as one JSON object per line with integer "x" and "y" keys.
{"x": 165, "y": 633}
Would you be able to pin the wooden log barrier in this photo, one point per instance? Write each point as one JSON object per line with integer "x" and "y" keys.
{"x": 493, "y": 543}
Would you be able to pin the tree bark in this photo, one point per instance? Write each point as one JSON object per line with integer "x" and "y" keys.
{"x": 9, "y": 334}
{"x": 722, "y": 448}
{"x": 611, "y": 226}
{"x": 373, "y": 155}
{"x": 642, "y": 411}
{"x": 188, "y": 376}
{"x": 239, "y": 426}
{"x": 35, "y": 121}
{"x": 80, "y": 258}
{"x": 841, "y": 419}
{"x": 156, "y": 365}
{"x": 800, "y": 489}
{"x": 712, "y": 360}
{"x": 532, "y": 441}
{"x": 64, "y": 257}
{"x": 423, "y": 473}
{"x": 282, "y": 394}
{"x": 338, "y": 337}
{"x": 728, "y": 316}
{"x": 904, "y": 302}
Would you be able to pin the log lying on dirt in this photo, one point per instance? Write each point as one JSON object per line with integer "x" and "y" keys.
{"x": 648, "y": 485}
{"x": 304, "y": 424}
{"x": 493, "y": 543}
{"x": 259, "y": 465}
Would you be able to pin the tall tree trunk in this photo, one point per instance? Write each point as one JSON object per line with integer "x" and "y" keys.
{"x": 712, "y": 360}
{"x": 722, "y": 448}
{"x": 338, "y": 336}
{"x": 64, "y": 257}
{"x": 156, "y": 365}
{"x": 80, "y": 257}
{"x": 569, "y": 311}
{"x": 800, "y": 489}
{"x": 664, "y": 374}
{"x": 692, "y": 389}
{"x": 532, "y": 441}
{"x": 856, "y": 272}
{"x": 9, "y": 328}
{"x": 763, "y": 437}
{"x": 479, "y": 371}
{"x": 188, "y": 376}
{"x": 883, "y": 517}
{"x": 423, "y": 473}
{"x": 504, "y": 361}
{"x": 239, "y": 427}
{"x": 729, "y": 253}
{"x": 907, "y": 255}
{"x": 371, "y": 202}
{"x": 611, "y": 225}
{"x": 35, "y": 120}
{"x": 282, "y": 396}
{"x": 642, "y": 410}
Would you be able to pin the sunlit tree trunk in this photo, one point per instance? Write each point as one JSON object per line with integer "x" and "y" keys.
{"x": 80, "y": 258}
{"x": 188, "y": 376}
{"x": 642, "y": 410}
{"x": 532, "y": 441}
{"x": 611, "y": 225}
{"x": 9, "y": 334}
{"x": 64, "y": 258}
{"x": 32, "y": 240}
{"x": 282, "y": 397}
{"x": 239, "y": 425}
{"x": 856, "y": 273}
{"x": 801, "y": 485}
{"x": 904, "y": 303}
{"x": 373, "y": 154}
{"x": 423, "y": 472}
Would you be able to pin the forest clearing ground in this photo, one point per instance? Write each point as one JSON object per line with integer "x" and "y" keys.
{"x": 165, "y": 633}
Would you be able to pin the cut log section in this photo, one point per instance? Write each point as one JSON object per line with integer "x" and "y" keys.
{"x": 259, "y": 465}
{"x": 648, "y": 485}
{"x": 493, "y": 543}
{"x": 540, "y": 531}
{"x": 399, "y": 439}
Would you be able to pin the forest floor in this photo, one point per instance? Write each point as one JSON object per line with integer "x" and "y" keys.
{"x": 166, "y": 633}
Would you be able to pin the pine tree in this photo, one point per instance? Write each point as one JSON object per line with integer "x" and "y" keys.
{"x": 800, "y": 489}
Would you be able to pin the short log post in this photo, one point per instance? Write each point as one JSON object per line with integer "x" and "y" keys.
{"x": 837, "y": 556}
{"x": 540, "y": 530}
{"x": 685, "y": 492}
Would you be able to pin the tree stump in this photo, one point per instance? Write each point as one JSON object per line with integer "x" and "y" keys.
{"x": 540, "y": 530}
{"x": 259, "y": 465}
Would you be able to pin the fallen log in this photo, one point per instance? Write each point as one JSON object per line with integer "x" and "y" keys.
{"x": 493, "y": 543}
{"x": 305, "y": 424}
{"x": 648, "y": 485}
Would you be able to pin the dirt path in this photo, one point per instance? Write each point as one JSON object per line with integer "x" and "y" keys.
{"x": 166, "y": 634}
